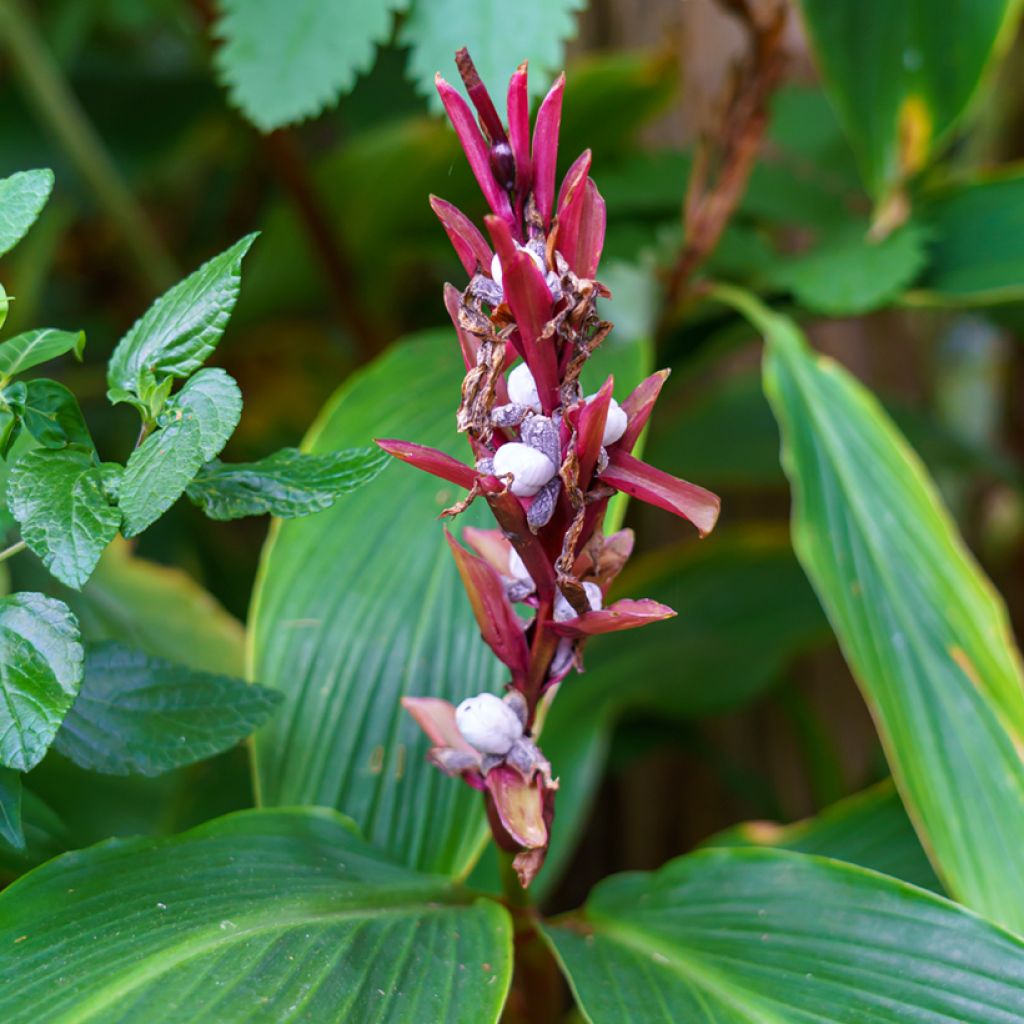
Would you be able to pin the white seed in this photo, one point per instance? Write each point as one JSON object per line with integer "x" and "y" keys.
{"x": 564, "y": 611}
{"x": 517, "y": 567}
{"x": 615, "y": 422}
{"x": 488, "y": 724}
{"x": 522, "y": 388}
{"x": 496, "y": 270}
{"x": 530, "y": 469}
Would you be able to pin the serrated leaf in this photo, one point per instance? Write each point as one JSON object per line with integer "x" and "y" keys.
{"x": 926, "y": 635}
{"x": 283, "y": 63}
{"x": 63, "y": 501}
{"x": 24, "y": 351}
{"x": 22, "y": 198}
{"x": 262, "y": 915}
{"x": 140, "y": 715}
{"x": 51, "y": 414}
{"x": 498, "y": 34}
{"x": 771, "y": 937}
{"x": 848, "y": 273}
{"x": 40, "y": 672}
{"x": 176, "y": 335}
{"x": 11, "y": 830}
{"x": 287, "y": 484}
{"x": 197, "y": 424}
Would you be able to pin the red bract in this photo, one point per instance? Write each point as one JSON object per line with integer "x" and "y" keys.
{"x": 546, "y": 458}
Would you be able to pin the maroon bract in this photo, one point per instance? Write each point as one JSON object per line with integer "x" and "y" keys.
{"x": 546, "y": 458}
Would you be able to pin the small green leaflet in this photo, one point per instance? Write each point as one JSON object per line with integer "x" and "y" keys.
{"x": 24, "y": 351}
{"x": 178, "y": 332}
{"x": 64, "y": 501}
{"x": 137, "y": 714}
{"x": 50, "y": 413}
{"x": 195, "y": 425}
{"x": 22, "y": 198}
{"x": 11, "y": 830}
{"x": 40, "y": 672}
{"x": 282, "y": 63}
{"x": 287, "y": 484}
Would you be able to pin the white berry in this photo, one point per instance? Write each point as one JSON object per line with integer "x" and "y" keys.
{"x": 522, "y": 388}
{"x": 529, "y": 468}
{"x": 488, "y": 724}
{"x": 496, "y": 270}
{"x": 564, "y": 611}
{"x": 615, "y": 422}
{"x": 517, "y": 567}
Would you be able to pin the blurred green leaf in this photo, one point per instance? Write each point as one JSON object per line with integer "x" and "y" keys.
{"x": 848, "y": 273}
{"x": 178, "y": 332}
{"x": 870, "y": 829}
{"x": 40, "y": 672}
{"x": 923, "y": 630}
{"x": 233, "y": 919}
{"x": 757, "y": 936}
{"x": 198, "y": 421}
{"x": 22, "y": 197}
{"x": 43, "y": 832}
{"x": 499, "y": 37}
{"x": 24, "y": 351}
{"x": 288, "y": 484}
{"x": 362, "y": 605}
{"x": 902, "y": 74}
{"x": 11, "y": 830}
{"x": 283, "y": 63}
{"x": 65, "y": 503}
{"x": 976, "y": 255}
{"x": 140, "y": 715}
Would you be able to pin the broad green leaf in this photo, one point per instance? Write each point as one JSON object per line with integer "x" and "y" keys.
{"x": 195, "y": 425}
{"x": 40, "y": 672}
{"x": 902, "y": 74}
{"x": 22, "y": 197}
{"x": 24, "y": 351}
{"x": 848, "y": 273}
{"x": 262, "y": 915}
{"x": 51, "y": 414}
{"x": 977, "y": 251}
{"x": 176, "y": 335}
{"x": 435, "y": 29}
{"x": 362, "y": 605}
{"x": 870, "y": 829}
{"x": 771, "y": 937}
{"x": 921, "y": 627}
{"x": 140, "y": 715}
{"x": 11, "y": 830}
{"x": 287, "y": 484}
{"x": 283, "y": 63}
{"x": 66, "y": 505}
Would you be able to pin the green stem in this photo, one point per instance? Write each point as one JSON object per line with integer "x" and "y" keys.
{"x": 47, "y": 89}
{"x": 12, "y": 550}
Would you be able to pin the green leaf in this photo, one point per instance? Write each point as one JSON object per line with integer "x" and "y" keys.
{"x": 922, "y": 629}
{"x": 63, "y": 501}
{"x": 196, "y": 424}
{"x": 362, "y": 605}
{"x": 40, "y": 671}
{"x": 22, "y": 197}
{"x": 178, "y": 332}
{"x": 24, "y": 351}
{"x": 977, "y": 251}
{"x": 870, "y": 829}
{"x": 435, "y": 29}
{"x": 769, "y": 937}
{"x": 283, "y": 915}
{"x": 51, "y": 414}
{"x": 849, "y": 273}
{"x": 139, "y": 715}
{"x": 11, "y": 830}
{"x": 287, "y": 484}
{"x": 285, "y": 63}
{"x": 902, "y": 74}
